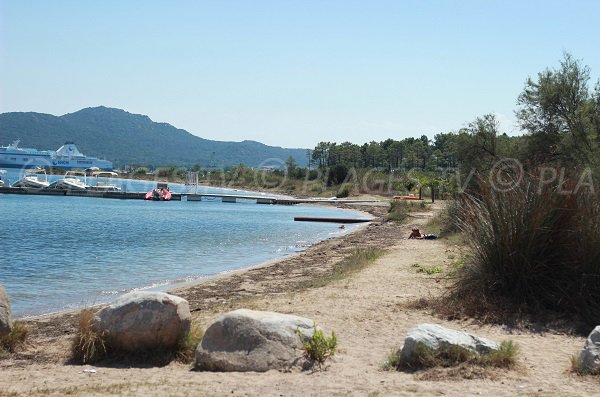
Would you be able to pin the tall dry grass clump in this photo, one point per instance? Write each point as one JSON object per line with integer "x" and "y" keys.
{"x": 88, "y": 346}
{"x": 91, "y": 345}
{"x": 535, "y": 246}
{"x": 16, "y": 337}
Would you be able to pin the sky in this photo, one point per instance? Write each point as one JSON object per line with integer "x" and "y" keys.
{"x": 288, "y": 72}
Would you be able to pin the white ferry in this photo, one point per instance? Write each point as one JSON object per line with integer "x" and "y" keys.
{"x": 66, "y": 157}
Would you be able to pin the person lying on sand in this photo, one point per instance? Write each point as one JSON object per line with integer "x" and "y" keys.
{"x": 416, "y": 234}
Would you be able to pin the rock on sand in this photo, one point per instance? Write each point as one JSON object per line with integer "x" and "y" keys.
{"x": 435, "y": 337}
{"x": 589, "y": 358}
{"x": 5, "y": 314}
{"x": 144, "y": 320}
{"x": 247, "y": 340}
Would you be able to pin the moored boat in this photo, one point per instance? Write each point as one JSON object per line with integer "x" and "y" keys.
{"x": 101, "y": 186}
{"x": 32, "y": 180}
{"x": 159, "y": 193}
{"x": 70, "y": 182}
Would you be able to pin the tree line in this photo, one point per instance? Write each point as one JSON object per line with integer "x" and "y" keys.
{"x": 558, "y": 112}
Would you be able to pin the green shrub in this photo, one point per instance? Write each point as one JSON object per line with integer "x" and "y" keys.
{"x": 393, "y": 361}
{"x": 140, "y": 171}
{"x": 188, "y": 344}
{"x": 398, "y": 211}
{"x": 343, "y": 192}
{"x": 535, "y": 246}
{"x": 319, "y": 348}
{"x": 429, "y": 270}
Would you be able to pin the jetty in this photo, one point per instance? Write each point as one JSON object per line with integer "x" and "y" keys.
{"x": 332, "y": 220}
{"x": 189, "y": 197}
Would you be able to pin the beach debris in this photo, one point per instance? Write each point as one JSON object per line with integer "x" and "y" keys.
{"x": 248, "y": 340}
{"x": 5, "y": 313}
{"x": 434, "y": 337}
{"x": 89, "y": 371}
{"x": 589, "y": 357}
{"x": 144, "y": 320}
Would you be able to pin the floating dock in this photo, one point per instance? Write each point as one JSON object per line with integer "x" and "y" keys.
{"x": 331, "y": 220}
{"x": 191, "y": 197}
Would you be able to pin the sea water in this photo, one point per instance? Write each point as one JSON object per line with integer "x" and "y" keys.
{"x": 59, "y": 253}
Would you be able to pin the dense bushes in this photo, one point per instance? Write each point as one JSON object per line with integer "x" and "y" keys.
{"x": 535, "y": 246}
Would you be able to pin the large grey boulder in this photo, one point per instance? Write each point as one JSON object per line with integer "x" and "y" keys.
{"x": 436, "y": 337}
{"x": 144, "y": 320}
{"x": 248, "y": 340}
{"x": 5, "y": 313}
{"x": 589, "y": 358}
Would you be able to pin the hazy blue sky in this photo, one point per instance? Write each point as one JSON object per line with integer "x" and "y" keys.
{"x": 289, "y": 73}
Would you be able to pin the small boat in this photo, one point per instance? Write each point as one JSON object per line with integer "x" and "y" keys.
{"x": 2, "y": 172}
{"x": 104, "y": 186}
{"x": 159, "y": 193}
{"x": 32, "y": 180}
{"x": 70, "y": 182}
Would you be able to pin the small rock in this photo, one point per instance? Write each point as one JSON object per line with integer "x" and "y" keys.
{"x": 435, "y": 337}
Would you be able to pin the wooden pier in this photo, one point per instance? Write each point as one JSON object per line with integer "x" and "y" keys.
{"x": 331, "y": 220}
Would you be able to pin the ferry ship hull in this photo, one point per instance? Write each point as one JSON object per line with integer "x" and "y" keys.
{"x": 67, "y": 157}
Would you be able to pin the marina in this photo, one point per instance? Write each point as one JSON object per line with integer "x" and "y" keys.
{"x": 191, "y": 197}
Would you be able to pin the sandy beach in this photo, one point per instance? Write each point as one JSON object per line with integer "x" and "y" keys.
{"x": 369, "y": 311}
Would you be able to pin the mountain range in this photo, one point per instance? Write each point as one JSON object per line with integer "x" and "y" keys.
{"x": 126, "y": 138}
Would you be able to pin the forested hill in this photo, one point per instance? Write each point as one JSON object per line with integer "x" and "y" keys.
{"x": 127, "y": 138}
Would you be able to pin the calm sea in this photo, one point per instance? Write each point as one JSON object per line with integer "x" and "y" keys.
{"x": 65, "y": 252}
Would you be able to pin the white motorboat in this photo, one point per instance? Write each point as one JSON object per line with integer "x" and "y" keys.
{"x": 32, "y": 180}
{"x": 104, "y": 186}
{"x": 70, "y": 182}
{"x": 2, "y": 172}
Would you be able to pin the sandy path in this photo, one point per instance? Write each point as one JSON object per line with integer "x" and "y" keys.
{"x": 367, "y": 312}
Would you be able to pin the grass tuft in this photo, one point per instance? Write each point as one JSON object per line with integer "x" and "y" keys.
{"x": 393, "y": 361}
{"x": 17, "y": 337}
{"x": 356, "y": 261}
{"x": 577, "y": 369}
{"x": 188, "y": 344}
{"x": 452, "y": 356}
{"x": 88, "y": 346}
{"x": 429, "y": 270}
